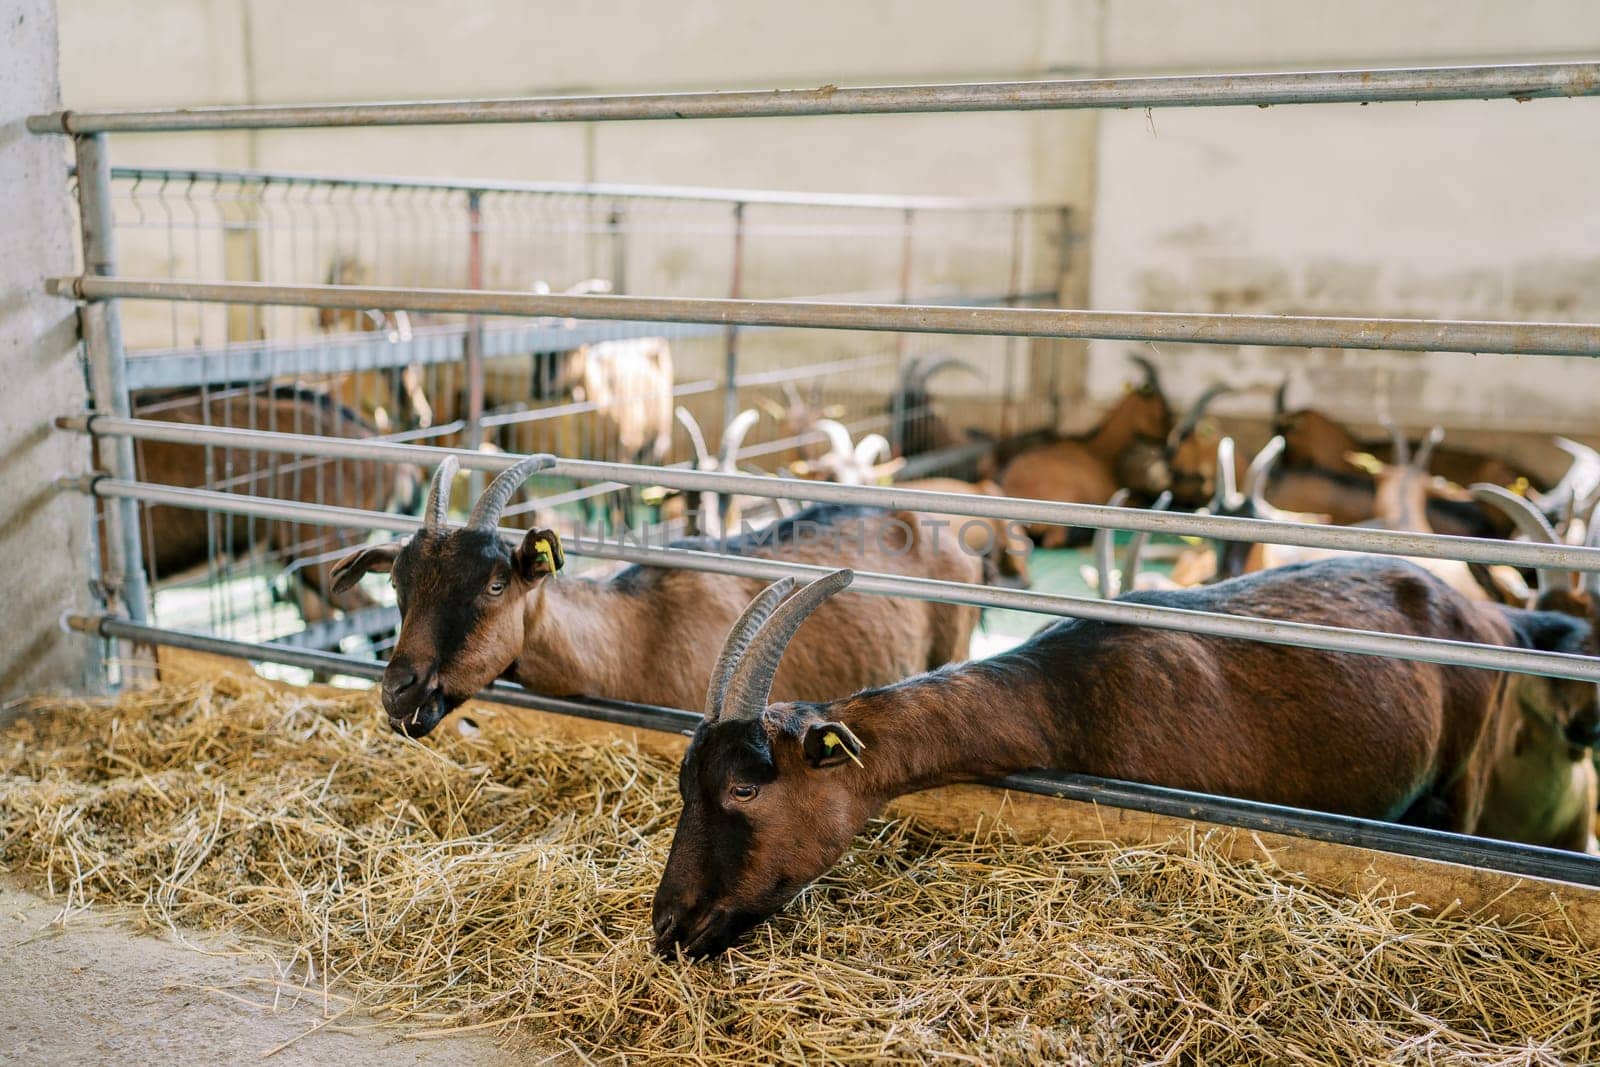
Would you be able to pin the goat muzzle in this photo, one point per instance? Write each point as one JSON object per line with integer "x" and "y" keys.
{"x": 414, "y": 703}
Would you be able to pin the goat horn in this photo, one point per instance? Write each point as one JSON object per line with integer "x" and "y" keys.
{"x": 1196, "y": 412}
{"x": 1582, "y": 476}
{"x": 1528, "y": 520}
{"x": 1130, "y": 561}
{"x": 751, "y": 684}
{"x": 697, "y": 439}
{"x": 1259, "y": 471}
{"x": 486, "y": 512}
{"x": 1227, "y": 490}
{"x": 1397, "y": 442}
{"x": 438, "y": 505}
{"x": 839, "y": 441}
{"x": 1424, "y": 454}
{"x": 1104, "y": 544}
{"x": 927, "y": 366}
{"x": 1152, "y": 379}
{"x": 733, "y": 437}
{"x": 1280, "y": 401}
{"x": 738, "y": 640}
{"x": 874, "y": 444}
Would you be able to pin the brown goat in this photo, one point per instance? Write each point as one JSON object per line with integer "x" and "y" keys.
{"x": 1313, "y": 439}
{"x": 473, "y": 610}
{"x": 1191, "y": 454}
{"x": 179, "y": 538}
{"x": 1543, "y": 789}
{"x": 773, "y": 793}
{"x": 1083, "y": 470}
{"x": 922, "y": 427}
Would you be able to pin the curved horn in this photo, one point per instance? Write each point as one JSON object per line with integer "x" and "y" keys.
{"x": 733, "y": 437}
{"x": 1226, "y": 494}
{"x": 1528, "y": 520}
{"x": 1424, "y": 454}
{"x": 1401, "y": 447}
{"x": 1280, "y": 401}
{"x": 738, "y": 640}
{"x": 1196, "y": 412}
{"x": 838, "y": 437}
{"x": 751, "y": 684}
{"x": 1581, "y": 478}
{"x": 1258, "y": 473}
{"x": 702, "y": 455}
{"x": 486, "y": 512}
{"x": 1105, "y": 540}
{"x": 1152, "y": 379}
{"x": 874, "y": 444}
{"x": 1131, "y": 561}
{"x": 925, "y": 367}
{"x": 437, "y": 508}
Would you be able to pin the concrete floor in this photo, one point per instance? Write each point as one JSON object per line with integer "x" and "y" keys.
{"x": 95, "y": 992}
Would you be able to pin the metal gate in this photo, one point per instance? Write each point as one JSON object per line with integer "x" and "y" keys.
{"x": 266, "y": 323}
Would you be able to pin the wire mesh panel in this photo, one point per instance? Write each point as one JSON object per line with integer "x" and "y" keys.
{"x": 603, "y": 390}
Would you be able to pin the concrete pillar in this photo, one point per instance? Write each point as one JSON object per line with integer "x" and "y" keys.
{"x": 44, "y": 535}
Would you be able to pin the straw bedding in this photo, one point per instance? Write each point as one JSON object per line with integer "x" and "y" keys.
{"x": 503, "y": 881}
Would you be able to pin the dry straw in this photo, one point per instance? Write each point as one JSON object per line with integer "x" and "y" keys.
{"x": 503, "y": 882}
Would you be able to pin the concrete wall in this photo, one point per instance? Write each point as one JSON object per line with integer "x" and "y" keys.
{"x": 1438, "y": 209}
{"x": 1470, "y": 209}
{"x": 43, "y": 534}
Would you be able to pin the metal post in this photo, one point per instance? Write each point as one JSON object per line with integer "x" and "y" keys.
{"x": 1008, "y": 399}
{"x": 619, "y": 247}
{"x": 473, "y": 433}
{"x": 101, "y": 323}
{"x": 902, "y": 341}
{"x": 730, "y": 368}
{"x": 1059, "y": 348}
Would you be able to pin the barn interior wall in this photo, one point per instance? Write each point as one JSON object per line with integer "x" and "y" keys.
{"x": 43, "y": 533}
{"x": 1460, "y": 209}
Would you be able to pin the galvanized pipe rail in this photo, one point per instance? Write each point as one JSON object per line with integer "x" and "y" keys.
{"x": 1513, "y": 81}
{"x": 1220, "y": 527}
{"x": 1213, "y": 624}
{"x": 1295, "y": 331}
{"x": 597, "y": 190}
{"x": 1438, "y": 845}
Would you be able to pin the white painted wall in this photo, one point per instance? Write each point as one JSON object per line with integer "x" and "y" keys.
{"x": 1460, "y": 209}
{"x": 1435, "y": 209}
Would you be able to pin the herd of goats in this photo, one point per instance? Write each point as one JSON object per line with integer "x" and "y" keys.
{"x": 810, "y": 730}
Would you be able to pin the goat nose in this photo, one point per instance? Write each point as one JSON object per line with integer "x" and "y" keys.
{"x": 397, "y": 682}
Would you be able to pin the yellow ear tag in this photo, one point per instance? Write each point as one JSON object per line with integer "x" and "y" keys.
{"x": 541, "y": 548}
{"x": 830, "y": 741}
{"x": 1521, "y": 487}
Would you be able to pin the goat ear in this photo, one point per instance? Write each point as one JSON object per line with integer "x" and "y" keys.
{"x": 538, "y": 555}
{"x": 377, "y": 558}
{"x": 828, "y": 744}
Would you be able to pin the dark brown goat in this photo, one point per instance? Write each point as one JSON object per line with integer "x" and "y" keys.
{"x": 1083, "y": 470}
{"x": 177, "y": 539}
{"x": 922, "y": 427}
{"x": 1191, "y": 454}
{"x": 774, "y": 794}
{"x": 473, "y": 610}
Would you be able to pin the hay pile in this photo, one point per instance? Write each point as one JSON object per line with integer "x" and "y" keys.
{"x": 504, "y": 880}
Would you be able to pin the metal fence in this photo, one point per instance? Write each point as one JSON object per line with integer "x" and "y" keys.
{"x": 456, "y": 379}
{"x": 262, "y": 334}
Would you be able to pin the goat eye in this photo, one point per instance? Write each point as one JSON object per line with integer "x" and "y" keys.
{"x": 496, "y": 588}
{"x": 744, "y": 792}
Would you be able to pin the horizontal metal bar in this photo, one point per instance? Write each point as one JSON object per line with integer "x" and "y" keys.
{"x": 1522, "y": 82}
{"x": 1438, "y": 845}
{"x": 1296, "y": 331}
{"x": 364, "y": 622}
{"x": 1213, "y": 624}
{"x": 1219, "y": 527}
{"x": 316, "y": 355}
{"x": 775, "y": 198}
